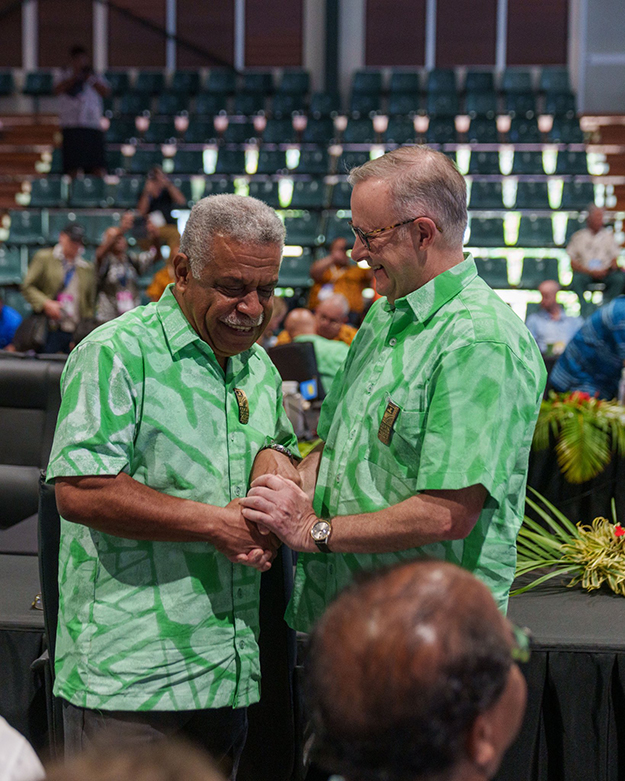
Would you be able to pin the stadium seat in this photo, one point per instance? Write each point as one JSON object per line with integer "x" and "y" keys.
{"x": 483, "y": 131}
{"x": 152, "y": 82}
{"x": 248, "y": 103}
{"x": 184, "y": 185}
{"x": 7, "y": 85}
{"x": 535, "y": 232}
{"x": 309, "y": 195}
{"x": 135, "y": 103}
{"x": 481, "y": 104}
{"x": 115, "y": 160}
{"x": 169, "y": 103}
{"x": 302, "y": 230}
{"x": 530, "y": 163}
{"x": 295, "y": 271}
{"x": 10, "y": 266}
{"x": 403, "y": 103}
{"x": 143, "y": 160}
{"x": 566, "y": 130}
{"x": 260, "y": 83}
{"x": 160, "y": 131}
{"x": 187, "y": 162}
{"x": 516, "y": 80}
{"x": 279, "y": 131}
{"x": 486, "y": 232}
{"x": 441, "y": 131}
{"x": 486, "y": 195}
{"x": 230, "y": 161}
{"x": 479, "y": 81}
{"x": 286, "y": 103}
{"x": 120, "y": 131}
{"x": 337, "y": 227}
{"x": 560, "y": 104}
{"x": 577, "y": 196}
{"x": 48, "y": 191}
{"x": 442, "y": 104}
{"x": 26, "y": 227}
{"x": 200, "y": 131}
{"x": 314, "y": 162}
{"x": 118, "y": 81}
{"x": 222, "y": 80}
{"x": 87, "y": 192}
{"x": 271, "y": 161}
{"x": 441, "y": 80}
{"x": 554, "y": 80}
{"x": 211, "y": 103}
{"x": 520, "y": 104}
{"x": 368, "y": 82}
{"x": 524, "y": 131}
{"x": 96, "y": 225}
{"x": 532, "y": 195}
{"x": 128, "y": 192}
{"x": 400, "y": 130}
{"x": 186, "y": 82}
{"x": 486, "y": 163}
{"x": 294, "y": 82}
{"x": 341, "y": 195}
{"x": 15, "y": 300}
{"x": 39, "y": 84}
{"x": 318, "y": 131}
{"x": 573, "y": 225}
{"x": 325, "y": 104}
{"x": 405, "y": 81}
{"x": 537, "y": 270}
{"x": 56, "y": 164}
{"x": 218, "y": 186}
{"x": 349, "y": 160}
{"x": 266, "y": 191}
{"x": 494, "y": 271}
{"x": 57, "y": 220}
{"x": 362, "y": 103}
{"x": 572, "y": 163}
{"x": 239, "y": 132}
{"x": 359, "y": 131}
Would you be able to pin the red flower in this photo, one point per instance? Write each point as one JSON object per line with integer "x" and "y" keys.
{"x": 619, "y": 531}
{"x": 578, "y": 396}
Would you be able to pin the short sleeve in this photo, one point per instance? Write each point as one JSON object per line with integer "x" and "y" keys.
{"x": 97, "y": 419}
{"x": 483, "y": 402}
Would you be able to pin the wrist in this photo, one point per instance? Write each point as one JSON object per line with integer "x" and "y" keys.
{"x": 320, "y": 534}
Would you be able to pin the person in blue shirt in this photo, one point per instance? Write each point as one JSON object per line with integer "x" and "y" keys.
{"x": 9, "y": 321}
{"x": 551, "y": 326}
{"x": 593, "y": 360}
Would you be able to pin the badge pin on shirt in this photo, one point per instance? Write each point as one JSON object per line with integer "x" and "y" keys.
{"x": 244, "y": 407}
{"x": 385, "y": 432}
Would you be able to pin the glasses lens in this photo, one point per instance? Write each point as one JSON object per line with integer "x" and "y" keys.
{"x": 359, "y": 235}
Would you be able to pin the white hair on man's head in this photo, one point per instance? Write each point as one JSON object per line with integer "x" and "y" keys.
{"x": 244, "y": 219}
{"x": 422, "y": 183}
{"x": 339, "y": 300}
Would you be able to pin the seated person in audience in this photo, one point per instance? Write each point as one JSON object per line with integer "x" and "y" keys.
{"x": 336, "y": 273}
{"x": 9, "y": 322}
{"x": 301, "y": 326}
{"x": 593, "y": 360}
{"x": 551, "y": 326}
{"x": 61, "y": 284}
{"x": 118, "y": 270}
{"x": 331, "y": 314}
{"x": 270, "y": 335}
{"x": 412, "y": 675}
{"x": 157, "y": 200}
{"x": 593, "y": 252}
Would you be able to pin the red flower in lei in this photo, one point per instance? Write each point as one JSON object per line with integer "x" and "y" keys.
{"x": 619, "y": 531}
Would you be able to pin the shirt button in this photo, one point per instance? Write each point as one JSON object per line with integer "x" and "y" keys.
{"x": 239, "y": 593}
{"x": 237, "y": 491}
{"x": 330, "y": 569}
{"x": 369, "y": 388}
{"x": 241, "y": 643}
{"x": 392, "y": 342}
{"x": 338, "y": 478}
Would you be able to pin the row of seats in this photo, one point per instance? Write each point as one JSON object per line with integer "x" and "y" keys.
{"x": 93, "y": 192}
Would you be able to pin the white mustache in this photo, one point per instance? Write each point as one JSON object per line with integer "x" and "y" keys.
{"x": 243, "y": 321}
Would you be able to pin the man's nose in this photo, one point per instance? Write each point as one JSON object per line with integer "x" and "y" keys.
{"x": 250, "y": 305}
{"x": 359, "y": 252}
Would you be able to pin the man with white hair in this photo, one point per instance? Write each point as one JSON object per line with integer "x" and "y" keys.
{"x": 166, "y": 413}
{"x": 427, "y": 428}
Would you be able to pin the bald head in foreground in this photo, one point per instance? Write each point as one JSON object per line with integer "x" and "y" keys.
{"x": 412, "y": 677}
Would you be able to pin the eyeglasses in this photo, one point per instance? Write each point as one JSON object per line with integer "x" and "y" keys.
{"x": 366, "y": 236}
{"x": 521, "y": 651}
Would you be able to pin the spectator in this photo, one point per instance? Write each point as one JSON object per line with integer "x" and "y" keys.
{"x": 330, "y": 355}
{"x": 551, "y": 326}
{"x": 163, "y": 277}
{"x": 80, "y": 94}
{"x": 157, "y": 200}
{"x": 593, "y": 252}
{"x": 18, "y": 761}
{"x": 331, "y": 314}
{"x": 336, "y": 273}
{"x": 61, "y": 284}
{"x": 117, "y": 271}
{"x": 9, "y": 322}
{"x": 594, "y": 358}
{"x": 412, "y": 676}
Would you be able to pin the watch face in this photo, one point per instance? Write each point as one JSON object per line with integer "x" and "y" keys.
{"x": 320, "y": 531}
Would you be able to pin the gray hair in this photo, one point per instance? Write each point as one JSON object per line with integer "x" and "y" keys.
{"x": 422, "y": 183}
{"x": 242, "y": 218}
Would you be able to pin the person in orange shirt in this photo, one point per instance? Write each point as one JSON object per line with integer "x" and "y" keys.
{"x": 337, "y": 273}
{"x": 331, "y": 316}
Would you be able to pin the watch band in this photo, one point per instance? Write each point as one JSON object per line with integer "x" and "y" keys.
{"x": 280, "y": 449}
{"x": 323, "y": 546}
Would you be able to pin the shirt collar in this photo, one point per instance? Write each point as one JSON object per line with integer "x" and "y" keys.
{"x": 427, "y": 300}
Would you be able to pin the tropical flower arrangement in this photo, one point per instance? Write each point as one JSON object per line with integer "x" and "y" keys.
{"x": 587, "y": 432}
{"x": 590, "y": 554}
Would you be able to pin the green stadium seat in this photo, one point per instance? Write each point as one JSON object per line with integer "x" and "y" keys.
{"x": 10, "y": 266}
{"x": 266, "y": 191}
{"x": 295, "y": 271}
{"x": 303, "y": 230}
{"x": 318, "y": 131}
{"x": 577, "y": 196}
{"x": 187, "y": 162}
{"x": 248, "y": 103}
{"x": 96, "y": 225}
{"x": 441, "y": 80}
{"x": 279, "y": 131}
{"x": 211, "y": 103}
{"x": 152, "y": 82}
{"x": 260, "y": 83}
{"x": 56, "y": 164}
{"x": 537, "y": 270}
{"x": 186, "y": 82}
{"x": 26, "y": 227}
{"x": 486, "y": 163}
{"x": 349, "y": 160}
{"x": 403, "y": 103}
{"x": 442, "y": 104}
{"x": 520, "y": 104}
{"x": 400, "y": 130}
{"x": 135, "y": 103}
{"x": 359, "y": 131}
{"x": 441, "y": 131}
{"x": 486, "y": 232}
{"x": 160, "y": 131}
{"x": 169, "y": 103}
{"x": 230, "y": 161}
{"x": 218, "y": 186}
{"x": 572, "y": 163}
{"x": 57, "y": 220}
{"x": 325, "y": 104}
{"x": 239, "y": 132}
{"x": 294, "y": 81}
{"x": 15, "y": 300}
{"x": 573, "y": 225}
{"x": 121, "y": 130}
{"x": 405, "y": 81}
{"x": 285, "y": 103}
{"x": 119, "y": 82}
{"x": 115, "y": 160}
{"x": 516, "y": 80}
{"x": 362, "y": 103}
{"x": 200, "y": 131}
{"x": 481, "y": 104}
{"x": 7, "y": 85}
{"x": 524, "y": 131}
{"x": 529, "y": 163}
{"x": 271, "y": 161}
{"x": 532, "y": 195}
{"x": 337, "y": 227}
{"x": 313, "y": 161}
{"x": 222, "y": 80}
{"x": 566, "y": 130}
{"x": 128, "y": 192}
{"x": 341, "y": 195}
{"x": 367, "y": 82}
{"x": 483, "y": 131}
{"x": 494, "y": 271}
{"x": 39, "y": 84}
{"x": 48, "y": 192}
{"x": 143, "y": 160}
{"x": 486, "y": 195}
{"x": 88, "y": 192}
{"x": 535, "y": 232}
{"x": 560, "y": 104}
{"x": 554, "y": 80}
{"x": 479, "y": 81}
{"x": 309, "y": 195}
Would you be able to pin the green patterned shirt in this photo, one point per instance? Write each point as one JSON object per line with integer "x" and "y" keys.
{"x": 468, "y": 378}
{"x": 160, "y": 625}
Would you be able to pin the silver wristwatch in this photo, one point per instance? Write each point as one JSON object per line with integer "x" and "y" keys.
{"x": 320, "y": 533}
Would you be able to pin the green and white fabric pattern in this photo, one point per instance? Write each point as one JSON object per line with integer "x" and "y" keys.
{"x": 467, "y": 379}
{"x": 160, "y": 625}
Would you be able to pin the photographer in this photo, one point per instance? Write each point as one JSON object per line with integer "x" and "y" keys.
{"x": 157, "y": 200}
{"x": 80, "y": 110}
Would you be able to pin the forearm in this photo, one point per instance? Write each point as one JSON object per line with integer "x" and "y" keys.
{"x": 309, "y": 469}
{"x": 176, "y": 195}
{"x": 32, "y": 294}
{"x": 319, "y": 268}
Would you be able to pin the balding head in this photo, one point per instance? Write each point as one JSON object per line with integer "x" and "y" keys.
{"x": 548, "y": 291}
{"x": 331, "y": 314}
{"x": 299, "y": 322}
{"x": 408, "y": 673}
{"x": 594, "y": 221}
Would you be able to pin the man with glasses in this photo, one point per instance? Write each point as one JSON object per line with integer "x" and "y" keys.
{"x": 427, "y": 428}
{"x": 412, "y": 674}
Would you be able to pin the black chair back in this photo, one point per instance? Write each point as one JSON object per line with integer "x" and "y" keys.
{"x": 296, "y": 361}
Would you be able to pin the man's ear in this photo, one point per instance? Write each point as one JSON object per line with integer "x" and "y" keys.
{"x": 480, "y": 745}
{"x": 182, "y": 271}
{"x": 426, "y": 232}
